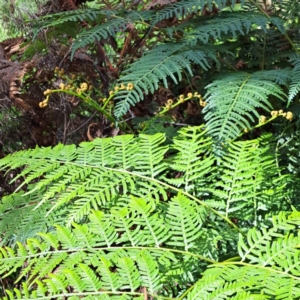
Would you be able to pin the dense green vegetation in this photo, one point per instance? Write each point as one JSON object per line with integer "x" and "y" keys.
{"x": 14, "y": 14}
{"x": 186, "y": 183}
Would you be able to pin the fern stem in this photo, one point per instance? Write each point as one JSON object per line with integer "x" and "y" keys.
{"x": 92, "y": 250}
{"x": 127, "y": 125}
{"x": 187, "y": 291}
{"x": 270, "y": 269}
{"x": 255, "y": 126}
{"x": 227, "y": 262}
{"x": 168, "y": 250}
{"x": 166, "y": 185}
{"x": 90, "y": 102}
{"x": 226, "y": 63}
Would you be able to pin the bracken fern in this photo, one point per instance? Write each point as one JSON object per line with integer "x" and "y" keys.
{"x": 213, "y": 213}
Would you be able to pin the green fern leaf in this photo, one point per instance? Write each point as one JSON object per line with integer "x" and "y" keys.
{"x": 295, "y": 83}
{"x": 116, "y": 22}
{"x": 110, "y": 280}
{"x": 102, "y": 31}
{"x": 263, "y": 249}
{"x": 123, "y": 225}
{"x": 75, "y": 281}
{"x": 20, "y": 207}
{"x": 233, "y": 23}
{"x": 149, "y": 272}
{"x": 187, "y": 7}
{"x": 192, "y": 159}
{"x": 114, "y": 166}
{"x": 184, "y": 221}
{"x": 75, "y": 16}
{"x": 235, "y": 98}
{"x": 101, "y": 223}
{"x": 146, "y": 72}
{"x": 128, "y": 274}
{"x": 241, "y": 190}
{"x": 155, "y": 231}
{"x": 289, "y": 9}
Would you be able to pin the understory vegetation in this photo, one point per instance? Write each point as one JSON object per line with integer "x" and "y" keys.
{"x": 150, "y": 150}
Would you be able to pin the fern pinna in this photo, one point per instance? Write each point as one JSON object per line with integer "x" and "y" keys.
{"x": 127, "y": 228}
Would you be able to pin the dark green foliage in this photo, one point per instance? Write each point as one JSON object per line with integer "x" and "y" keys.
{"x": 148, "y": 71}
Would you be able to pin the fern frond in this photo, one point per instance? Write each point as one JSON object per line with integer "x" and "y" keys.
{"x": 79, "y": 257}
{"x": 178, "y": 10}
{"x": 74, "y": 256}
{"x": 134, "y": 173}
{"x": 209, "y": 288}
{"x": 262, "y": 247}
{"x": 155, "y": 231}
{"x": 242, "y": 179}
{"x": 135, "y": 228}
{"x": 295, "y": 82}
{"x": 102, "y": 224}
{"x": 149, "y": 271}
{"x": 193, "y": 160}
{"x": 234, "y": 99}
{"x": 20, "y": 207}
{"x": 229, "y": 24}
{"x": 186, "y": 7}
{"x": 101, "y": 31}
{"x": 94, "y": 181}
{"x": 185, "y": 220}
{"x": 129, "y": 274}
{"x": 150, "y": 146}
{"x": 287, "y": 10}
{"x": 269, "y": 265}
{"x": 60, "y": 18}
{"x": 146, "y": 73}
